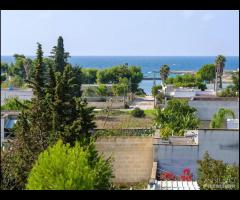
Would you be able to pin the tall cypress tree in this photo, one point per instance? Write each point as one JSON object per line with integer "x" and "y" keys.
{"x": 37, "y": 84}
{"x": 59, "y": 56}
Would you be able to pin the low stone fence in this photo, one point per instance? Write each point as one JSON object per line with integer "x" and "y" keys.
{"x": 133, "y": 157}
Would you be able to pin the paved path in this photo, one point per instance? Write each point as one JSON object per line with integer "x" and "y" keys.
{"x": 143, "y": 103}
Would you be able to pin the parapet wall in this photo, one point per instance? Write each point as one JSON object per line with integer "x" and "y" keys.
{"x": 207, "y": 108}
{"x": 221, "y": 144}
{"x": 133, "y": 156}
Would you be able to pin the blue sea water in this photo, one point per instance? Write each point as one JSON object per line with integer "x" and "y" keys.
{"x": 147, "y": 63}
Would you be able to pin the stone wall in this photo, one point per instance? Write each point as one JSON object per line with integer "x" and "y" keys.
{"x": 207, "y": 108}
{"x": 133, "y": 157}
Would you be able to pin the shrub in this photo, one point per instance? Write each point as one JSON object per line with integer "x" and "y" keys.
{"x": 202, "y": 86}
{"x": 178, "y": 116}
{"x": 14, "y": 103}
{"x": 155, "y": 89}
{"x": 165, "y": 132}
{"x": 126, "y": 106}
{"x": 140, "y": 92}
{"x": 62, "y": 167}
{"x": 160, "y": 97}
{"x": 216, "y": 175}
{"x": 137, "y": 112}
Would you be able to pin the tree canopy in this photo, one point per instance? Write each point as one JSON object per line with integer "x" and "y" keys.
{"x": 62, "y": 167}
{"x": 206, "y": 73}
{"x": 178, "y": 116}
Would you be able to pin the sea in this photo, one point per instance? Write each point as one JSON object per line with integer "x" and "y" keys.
{"x": 148, "y": 64}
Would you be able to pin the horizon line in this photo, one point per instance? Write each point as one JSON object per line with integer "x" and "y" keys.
{"x": 135, "y": 55}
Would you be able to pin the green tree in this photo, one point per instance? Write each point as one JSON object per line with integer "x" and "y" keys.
{"x": 89, "y": 75}
{"x": 164, "y": 72}
{"x": 121, "y": 88}
{"x": 219, "y": 117}
{"x": 220, "y": 63}
{"x": 216, "y": 175}
{"x": 178, "y": 116}
{"x": 136, "y": 77}
{"x": 59, "y": 114}
{"x": 4, "y": 67}
{"x": 155, "y": 90}
{"x": 206, "y": 73}
{"x": 102, "y": 90}
{"x": 63, "y": 167}
{"x": 59, "y": 56}
{"x": 235, "y": 79}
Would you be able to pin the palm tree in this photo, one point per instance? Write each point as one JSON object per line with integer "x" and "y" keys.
{"x": 164, "y": 72}
{"x": 220, "y": 62}
{"x": 220, "y": 116}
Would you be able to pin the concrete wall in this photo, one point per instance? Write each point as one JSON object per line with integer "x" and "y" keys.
{"x": 21, "y": 94}
{"x": 133, "y": 157}
{"x": 2, "y": 129}
{"x": 221, "y": 144}
{"x": 206, "y": 109}
{"x": 175, "y": 158}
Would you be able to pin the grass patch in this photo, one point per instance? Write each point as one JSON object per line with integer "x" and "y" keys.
{"x": 150, "y": 113}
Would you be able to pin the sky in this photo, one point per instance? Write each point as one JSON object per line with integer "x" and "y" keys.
{"x": 122, "y": 32}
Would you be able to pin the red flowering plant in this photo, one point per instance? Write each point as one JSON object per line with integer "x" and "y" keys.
{"x": 186, "y": 175}
{"x": 167, "y": 176}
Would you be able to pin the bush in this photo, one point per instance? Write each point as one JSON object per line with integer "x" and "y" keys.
{"x": 178, "y": 116}
{"x": 216, "y": 175}
{"x": 137, "y": 112}
{"x": 160, "y": 97}
{"x": 228, "y": 92}
{"x": 202, "y": 86}
{"x": 62, "y": 167}
{"x": 14, "y": 103}
{"x": 165, "y": 132}
{"x": 155, "y": 89}
{"x": 126, "y": 106}
{"x": 140, "y": 92}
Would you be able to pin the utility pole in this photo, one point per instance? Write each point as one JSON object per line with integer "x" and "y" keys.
{"x": 154, "y": 81}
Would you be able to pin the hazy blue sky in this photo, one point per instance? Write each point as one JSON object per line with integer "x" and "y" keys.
{"x": 157, "y": 33}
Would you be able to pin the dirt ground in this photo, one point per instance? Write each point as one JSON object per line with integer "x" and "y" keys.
{"x": 122, "y": 120}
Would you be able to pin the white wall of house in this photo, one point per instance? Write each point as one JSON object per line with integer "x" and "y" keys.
{"x": 233, "y": 123}
{"x": 207, "y": 108}
{"x": 221, "y": 144}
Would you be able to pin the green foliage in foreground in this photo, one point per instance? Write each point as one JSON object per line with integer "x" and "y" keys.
{"x": 220, "y": 116}
{"x": 177, "y": 116}
{"x": 63, "y": 167}
{"x": 216, "y": 175}
{"x": 15, "y": 104}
